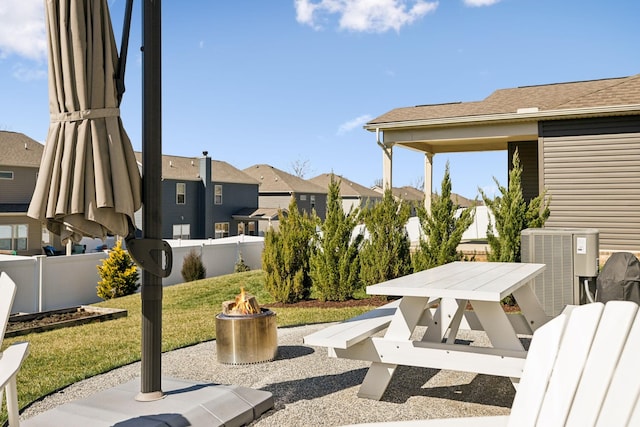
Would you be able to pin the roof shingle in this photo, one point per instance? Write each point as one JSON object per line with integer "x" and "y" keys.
{"x": 273, "y": 180}
{"x": 550, "y": 97}
{"x": 19, "y": 150}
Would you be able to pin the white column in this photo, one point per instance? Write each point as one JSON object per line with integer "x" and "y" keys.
{"x": 387, "y": 167}
{"x": 428, "y": 180}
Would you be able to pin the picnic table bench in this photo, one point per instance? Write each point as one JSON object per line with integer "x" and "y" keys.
{"x": 438, "y": 298}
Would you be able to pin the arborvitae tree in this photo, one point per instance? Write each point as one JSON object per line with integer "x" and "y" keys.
{"x": 334, "y": 262}
{"x": 441, "y": 229}
{"x": 119, "y": 274}
{"x": 512, "y": 215}
{"x": 385, "y": 254}
{"x": 192, "y": 267}
{"x": 285, "y": 259}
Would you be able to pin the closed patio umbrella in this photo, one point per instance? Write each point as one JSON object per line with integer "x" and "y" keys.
{"x": 89, "y": 183}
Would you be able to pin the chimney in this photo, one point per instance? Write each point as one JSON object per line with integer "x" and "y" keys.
{"x": 207, "y": 213}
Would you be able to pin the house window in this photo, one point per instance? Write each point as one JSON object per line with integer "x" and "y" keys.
{"x": 14, "y": 237}
{"x": 181, "y": 193}
{"x": 181, "y": 231}
{"x": 252, "y": 228}
{"x": 303, "y": 197}
{"x": 6, "y": 174}
{"x": 240, "y": 228}
{"x": 312, "y": 201}
{"x": 222, "y": 229}
{"x": 217, "y": 191}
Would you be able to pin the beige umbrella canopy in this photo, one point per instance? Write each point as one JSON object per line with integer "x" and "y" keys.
{"x": 89, "y": 183}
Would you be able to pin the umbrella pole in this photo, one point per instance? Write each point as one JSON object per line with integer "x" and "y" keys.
{"x": 151, "y": 387}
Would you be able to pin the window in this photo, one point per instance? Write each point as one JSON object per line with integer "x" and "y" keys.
{"x": 14, "y": 237}
{"x": 6, "y": 175}
{"x": 217, "y": 192}
{"x": 181, "y": 193}
{"x": 252, "y": 228}
{"x": 181, "y": 231}
{"x": 312, "y": 200}
{"x": 303, "y": 197}
{"x": 240, "y": 228}
{"x": 222, "y": 229}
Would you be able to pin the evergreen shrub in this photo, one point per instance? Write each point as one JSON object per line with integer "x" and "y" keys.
{"x": 192, "y": 267}
{"x": 119, "y": 274}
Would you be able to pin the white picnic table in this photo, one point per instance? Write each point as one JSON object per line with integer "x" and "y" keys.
{"x": 437, "y": 298}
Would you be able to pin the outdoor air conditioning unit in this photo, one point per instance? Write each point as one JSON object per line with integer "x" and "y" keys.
{"x": 571, "y": 256}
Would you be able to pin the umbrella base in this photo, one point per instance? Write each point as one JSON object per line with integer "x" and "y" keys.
{"x": 184, "y": 403}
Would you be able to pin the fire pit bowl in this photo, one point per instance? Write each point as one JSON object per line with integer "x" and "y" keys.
{"x": 246, "y": 338}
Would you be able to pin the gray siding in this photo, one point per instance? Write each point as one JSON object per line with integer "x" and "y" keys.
{"x": 20, "y": 188}
{"x": 594, "y": 181}
{"x": 188, "y": 213}
{"x": 234, "y": 198}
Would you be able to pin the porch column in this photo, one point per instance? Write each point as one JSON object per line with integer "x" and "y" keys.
{"x": 387, "y": 167}
{"x": 428, "y": 180}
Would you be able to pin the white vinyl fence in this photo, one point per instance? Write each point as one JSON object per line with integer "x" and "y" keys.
{"x": 49, "y": 283}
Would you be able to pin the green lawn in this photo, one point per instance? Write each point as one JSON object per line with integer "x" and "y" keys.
{"x": 63, "y": 356}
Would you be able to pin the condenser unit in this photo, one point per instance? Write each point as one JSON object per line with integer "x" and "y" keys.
{"x": 571, "y": 256}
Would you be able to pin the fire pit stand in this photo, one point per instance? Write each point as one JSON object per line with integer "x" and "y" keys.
{"x": 246, "y": 338}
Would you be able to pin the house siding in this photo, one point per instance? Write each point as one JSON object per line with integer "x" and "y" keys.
{"x": 234, "y": 198}
{"x": 593, "y": 178}
{"x": 189, "y": 213}
{"x": 20, "y": 188}
{"x": 34, "y": 233}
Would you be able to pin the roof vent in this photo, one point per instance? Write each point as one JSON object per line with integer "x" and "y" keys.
{"x": 527, "y": 110}
{"x": 170, "y": 164}
{"x": 192, "y": 164}
{"x": 25, "y": 146}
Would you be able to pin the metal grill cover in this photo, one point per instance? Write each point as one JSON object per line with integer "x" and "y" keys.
{"x": 619, "y": 279}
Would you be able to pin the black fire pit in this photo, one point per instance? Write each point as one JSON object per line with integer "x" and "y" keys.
{"x": 246, "y": 338}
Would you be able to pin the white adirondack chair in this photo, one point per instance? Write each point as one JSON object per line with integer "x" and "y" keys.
{"x": 11, "y": 359}
{"x": 582, "y": 369}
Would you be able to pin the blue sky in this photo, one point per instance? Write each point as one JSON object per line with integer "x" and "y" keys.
{"x": 280, "y": 82}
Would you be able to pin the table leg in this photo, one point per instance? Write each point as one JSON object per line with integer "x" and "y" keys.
{"x": 455, "y": 322}
{"x": 445, "y": 316}
{"x": 495, "y": 323}
{"x": 402, "y": 324}
{"x": 530, "y": 307}
{"x": 376, "y": 381}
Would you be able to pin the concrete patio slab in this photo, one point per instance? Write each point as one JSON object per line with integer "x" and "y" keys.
{"x": 186, "y": 403}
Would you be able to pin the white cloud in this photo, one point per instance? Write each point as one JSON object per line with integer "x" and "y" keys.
{"x": 480, "y": 3}
{"x": 354, "y": 123}
{"x": 375, "y": 16}
{"x": 27, "y": 73}
{"x": 22, "y": 30}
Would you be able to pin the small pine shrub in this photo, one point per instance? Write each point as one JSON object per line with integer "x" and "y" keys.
{"x": 192, "y": 267}
{"x": 119, "y": 274}
{"x": 240, "y": 266}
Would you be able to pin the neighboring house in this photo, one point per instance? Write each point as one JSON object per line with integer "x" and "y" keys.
{"x": 19, "y": 165}
{"x": 204, "y": 198}
{"x": 353, "y": 194}
{"x": 580, "y": 141}
{"x": 278, "y": 187}
{"x": 414, "y": 196}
